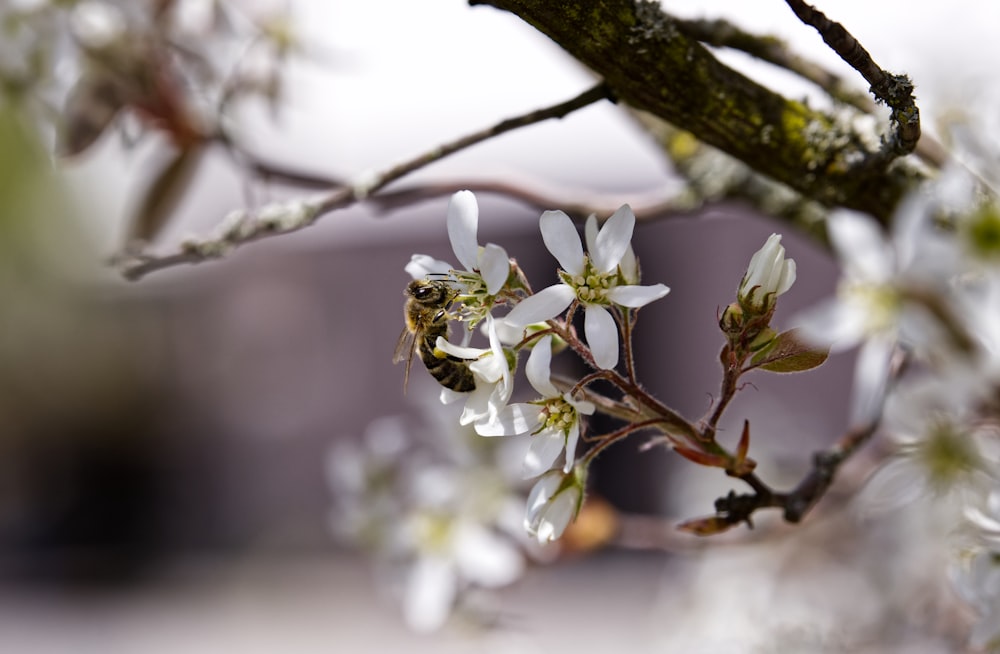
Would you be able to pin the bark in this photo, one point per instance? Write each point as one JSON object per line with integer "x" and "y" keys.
{"x": 652, "y": 65}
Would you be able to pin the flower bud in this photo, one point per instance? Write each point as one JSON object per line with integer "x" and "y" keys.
{"x": 768, "y": 276}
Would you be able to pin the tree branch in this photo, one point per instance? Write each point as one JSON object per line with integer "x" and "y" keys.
{"x": 894, "y": 90}
{"x": 651, "y": 64}
{"x": 245, "y": 227}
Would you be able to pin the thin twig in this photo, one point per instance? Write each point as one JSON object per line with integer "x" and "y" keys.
{"x": 247, "y": 227}
{"x": 722, "y": 33}
{"x": 894, "y": 90}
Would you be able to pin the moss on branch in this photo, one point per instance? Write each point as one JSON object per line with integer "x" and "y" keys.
{"x": 652, "y": 65}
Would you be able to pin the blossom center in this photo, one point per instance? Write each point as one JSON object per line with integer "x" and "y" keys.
{"x": 880, "y": 304}
{"x": 558, "y": 415}
{"x": 475, "y": 300}
{"x": 591, "y": 286}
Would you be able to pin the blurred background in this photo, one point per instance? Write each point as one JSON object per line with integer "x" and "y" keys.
{"x": 163, "y": 442}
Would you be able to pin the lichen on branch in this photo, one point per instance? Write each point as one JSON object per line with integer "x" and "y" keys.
{"x": 652, "y": 65}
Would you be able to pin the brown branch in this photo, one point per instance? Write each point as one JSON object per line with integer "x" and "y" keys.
{"x": 722, "y": 33}
{"x": 247, "y": 227}
{"x": 894, "y": 90}
{"x": 652, "y": 65}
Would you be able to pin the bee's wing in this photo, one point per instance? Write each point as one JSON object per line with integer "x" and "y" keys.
{"x": 405, "y": 346}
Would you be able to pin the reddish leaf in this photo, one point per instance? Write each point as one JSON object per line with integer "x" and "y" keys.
{"x": 706, "y": 526}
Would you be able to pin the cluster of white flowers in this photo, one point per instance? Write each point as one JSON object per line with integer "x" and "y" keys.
{"x": 439, "y": 516}
{"x": 603, "y": 282}
{"x": 929, "y": 295}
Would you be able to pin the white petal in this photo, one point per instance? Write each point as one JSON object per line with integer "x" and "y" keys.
{"x": 543, "y": 305}
{"x": 422, "y": 265}
{"x": 484, "y": 558}
{"x": 494, "y": 266}
{"x": 871, "y": 374}
{"x": 897, "y": 483}
{"x": 787, "y": 277}
{"x": 538, "y": 368}
{"x": 602, "y": 336}
{"x": 545, "y": 448}
{"x": 463, "y": 223}
{"x": 613, "y": 239}
{"x": 512, "y": 420}
{"x": 541, "y": 493}
{"x": 590, "y": 232}
{"x": 832, "y": 323}
{"x": 571, "y": 440}
{"x": 556, "y": 515}
{"x": 469, "y": 353}
{"x": 430, "y": 592}
{"x": 563, "y": 242}
{"x": 859, "y": 243}
{"x": 637, "y": 296}
{"x": 477, "y": 404}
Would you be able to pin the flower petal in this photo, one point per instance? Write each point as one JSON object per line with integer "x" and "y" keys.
{"x": 590, "y": 232}
{"x": 512, "y": 420}
{"x": 871, "y": 374}
{"x": 860, "y": 245}
{"x": 468, "y": 353}
{"x": 538, "y": 367}
{"x": 637, "y": 296}
{"x": 430, "y": 593}
{"x": 422, "y": 265}
{"x": 832, "y": 323}
{"x": 494, "y": 267}
{"x": 571, "y": 440}
{"x": 545, "y": 448}
{"x": 563, "y": 242}
{"x": 463, "y": 223}
{"x": 484, "y": 558}
{"x": 543, "y": 305}
{"x": 602, "y": 336}
{"x": 613, "y": 239}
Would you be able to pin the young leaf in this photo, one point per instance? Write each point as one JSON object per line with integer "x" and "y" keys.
{"x": 163, "y": 194}
{"x": 787, "y": 353}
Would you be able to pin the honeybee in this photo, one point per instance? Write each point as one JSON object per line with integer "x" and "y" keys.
{"x": 426, "y": 314}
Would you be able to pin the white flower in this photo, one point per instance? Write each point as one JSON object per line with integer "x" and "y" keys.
{"x": 592, "y": 279}
{"x": 492, "y": 370}
{"x": 553, "y": 421}
{"x": 486, "y": 266}
{"x": 978, "y": 582}
{"x": 939, "y": 452}
{"x": 768, "y": 276}
{"x": 456, "y": 553}
{"x": 871, "y": 306}
{"x": 553, "y": 503}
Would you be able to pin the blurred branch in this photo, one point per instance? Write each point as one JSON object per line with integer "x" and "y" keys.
{"x": 245, "y": 227}
{"x": 734, "y": 509}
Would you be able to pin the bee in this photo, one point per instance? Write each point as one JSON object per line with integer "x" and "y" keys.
{"x": 426, "y": 315}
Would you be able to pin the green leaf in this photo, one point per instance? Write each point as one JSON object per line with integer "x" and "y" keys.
{"x": 788, "y": 353}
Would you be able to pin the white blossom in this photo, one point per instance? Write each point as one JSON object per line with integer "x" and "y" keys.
{"x": 492, "y": 371}
{"x": 553, "y": 421}
{"x": 553, "y": 503}
{"x": 768, "y": 275}
{"x": 593, "y": 279}
{"x": 486, "y": 266}
{"x": 871, "y": 307}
